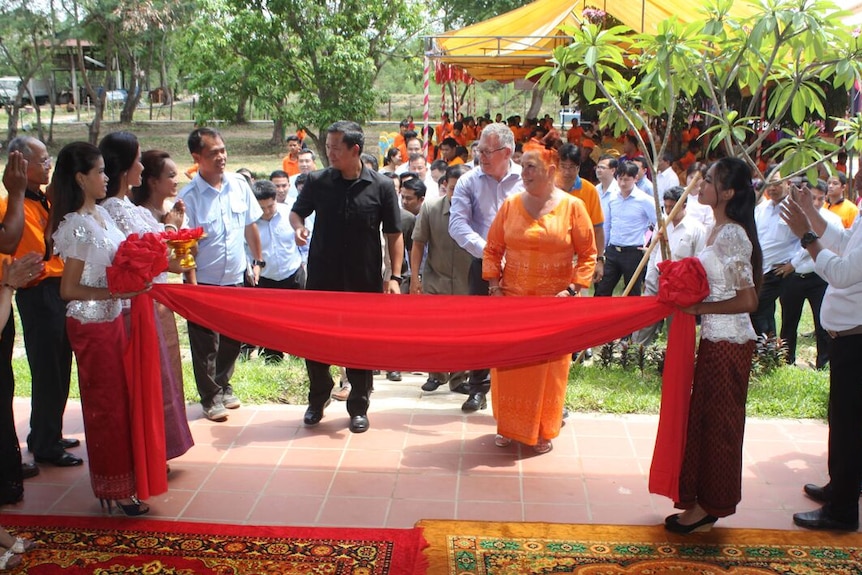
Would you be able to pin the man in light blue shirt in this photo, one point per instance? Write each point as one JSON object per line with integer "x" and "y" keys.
{"x": 475, "y": 201}
{"x": 630, "y": 214}
{"x": 607, "y": 187}
{"x": 223, "y": 205}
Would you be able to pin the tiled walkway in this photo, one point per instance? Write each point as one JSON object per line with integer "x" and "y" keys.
{"x": 424, "y": 459}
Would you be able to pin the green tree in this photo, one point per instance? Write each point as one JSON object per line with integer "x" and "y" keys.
{"x": 307, "y": 64}
{"x": 460, "y": 13}
{"x": 25, "y": 43}
{"x": 787, "y": 49}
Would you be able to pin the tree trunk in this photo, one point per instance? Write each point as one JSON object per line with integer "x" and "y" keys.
{"x": 240, "y": 110}
{"x": 319, "y": 141}
{"x": 277, "y": 132}
{"x": 12, "y": 112}
{"x": 537, "y": 95}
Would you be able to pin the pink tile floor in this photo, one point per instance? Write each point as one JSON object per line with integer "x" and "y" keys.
{"x": 424, "y": 459}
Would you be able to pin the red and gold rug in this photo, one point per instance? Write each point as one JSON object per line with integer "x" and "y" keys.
{"x": 111, "y": 546}
{"x": 480, "y": 548}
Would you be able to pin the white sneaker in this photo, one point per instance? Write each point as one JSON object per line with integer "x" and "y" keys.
{"x": 216, "y": 412}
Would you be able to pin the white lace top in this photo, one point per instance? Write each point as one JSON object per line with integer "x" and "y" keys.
{"x": 132, "y": 219}
{"x": 82, "y": 237}
{"x": 727, "y": 261}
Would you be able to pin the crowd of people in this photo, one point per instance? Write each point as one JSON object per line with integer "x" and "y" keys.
{"x": 479, "y": 208}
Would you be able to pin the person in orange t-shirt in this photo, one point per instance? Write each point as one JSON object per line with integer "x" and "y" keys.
{"x": 575, "y": 133}
{"x": 43, "y": 318}
{"x": 290, "y": 163}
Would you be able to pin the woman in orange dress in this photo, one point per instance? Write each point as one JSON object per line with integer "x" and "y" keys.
{"x": 532, "y": 244}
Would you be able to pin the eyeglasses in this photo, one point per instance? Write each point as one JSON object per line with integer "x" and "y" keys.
{"x": 44, "y": 162}
{"x": 481, "y": 152}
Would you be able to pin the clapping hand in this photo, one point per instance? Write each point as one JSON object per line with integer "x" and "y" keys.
{"x": 15, "y": 174}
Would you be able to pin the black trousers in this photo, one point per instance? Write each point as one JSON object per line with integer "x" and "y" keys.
{"x": 480, "y": 379}
{"x": 763, "y": 319}
{"x": 295, "y": 281}
{"x": 621, "y": 262}
{"x": 43, "y": 319}
{"x": 11, "y": 483}
{"x": 845, "y": 427}
{"x": 796, "y": 290}
{"x": 321, "y": 384}
{"x": 213, "y": 361}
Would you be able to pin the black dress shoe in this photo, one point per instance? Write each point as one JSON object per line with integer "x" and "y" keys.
{"x": 359, "y": 423}
{"x": 393, "y": 375}
{"x": 475, "y": 402}
{"x": 819, "y": 519}
{"x": 463, "y": 388}
{"x": 313, "y": 415}
{"x": 29, "y": 470}
{"x": 64, "y": 460}
{"x": 817, "y": 493}
{"x": 431, "y": 384}
{"x": 69, "y": 442}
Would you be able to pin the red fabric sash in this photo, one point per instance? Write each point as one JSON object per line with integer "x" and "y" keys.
{"x": 146, "y": 408}
{"x": 421, "y": 333}
{"x": 682, "y": 283}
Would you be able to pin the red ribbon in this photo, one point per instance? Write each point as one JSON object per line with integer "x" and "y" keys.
{"x": 682, "y": 283}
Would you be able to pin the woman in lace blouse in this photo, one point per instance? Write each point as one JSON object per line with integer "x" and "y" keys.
{"x": 711, "y": 475}
{"x": 85, "y": 236}
{"x": 125, "y": 170}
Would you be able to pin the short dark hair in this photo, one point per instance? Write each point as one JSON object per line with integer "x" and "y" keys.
{"x": 613, "y": 162}
{"x": 413, "y": 157}
{"x": 627, "y": 169}
{"x": 456, "y": 171}
{"x": 278, "y": 174}
{"x": 570, "y": 153}
{"x": 370, "y": 161}
{"x": 292, "y": 138}
{"x": 264, "y": 190}
{"x": 300, "y": 180}
{"x": 673, "y": 193}
{"x": 640, "y": 160}
{"x": 195, "y": 142}
{"x": 404, "y": 176}
{"x": 415, "y": 185}
{"x": 308, "y": 151}
{"x": 438, "y": 165}
{"x": 351, "y": 133}
{"x": 450, "y": 141}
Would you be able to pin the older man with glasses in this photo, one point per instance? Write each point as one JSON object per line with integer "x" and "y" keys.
{"x": 477, "y": 196}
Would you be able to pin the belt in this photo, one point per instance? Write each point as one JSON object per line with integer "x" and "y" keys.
{"x": 846, "y": 332}
{"x": 625, "y": 248}
{"x": 803, "y": 276}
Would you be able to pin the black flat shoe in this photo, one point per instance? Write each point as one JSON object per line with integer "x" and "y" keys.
{"x": 313, "y": 415}
{"x": 431, "y": 384}
{"x": 672, "y": 524}
{"x": 69, "y": 442}
{"x": 819, "y": 519}
{"x": 64, "y": 460}
{"x": 475, "y": 402}
{"x": 359, "y": 424}
{"x": 29, "y": 470}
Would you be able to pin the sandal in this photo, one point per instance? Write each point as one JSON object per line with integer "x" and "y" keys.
{"x": 543, "y": 446}
{"x": 22, "y": 545}
{"x": 9, "y": 560}
{"x": 342, "y": 394}
{"x": 502, "y": 441}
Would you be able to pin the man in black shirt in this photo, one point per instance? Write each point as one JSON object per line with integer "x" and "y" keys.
{"x": 349, "y": 202}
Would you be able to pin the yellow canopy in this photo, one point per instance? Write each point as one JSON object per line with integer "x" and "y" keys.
{"x": 508, "y": 46}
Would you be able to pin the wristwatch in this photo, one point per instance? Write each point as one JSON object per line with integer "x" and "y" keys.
{"x": 259, "y": 263}
{"x": 808, "y": 238}
{"x": 600, "y": 258}
{"x": 395, "y": 278}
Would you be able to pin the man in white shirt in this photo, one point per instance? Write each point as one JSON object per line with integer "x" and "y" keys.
{"x": 666, "y": 178}
{"x": 419, "y": 166}
{"x": 686, "y": 237}
{"x": 837, "y": 256}
{"x": 414, "y": 146}
{"x": 778, "y": 245}
{"x": 802, "y": 284}
{"x": 282, "y": 265}
{"x": 306, "y": 166}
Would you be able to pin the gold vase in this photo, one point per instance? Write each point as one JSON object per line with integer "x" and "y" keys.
{"x": 183, "y": 252}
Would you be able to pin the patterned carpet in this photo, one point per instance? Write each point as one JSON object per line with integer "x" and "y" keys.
{"x": 479, "y": 548}
{"x": 111, "y": 546}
